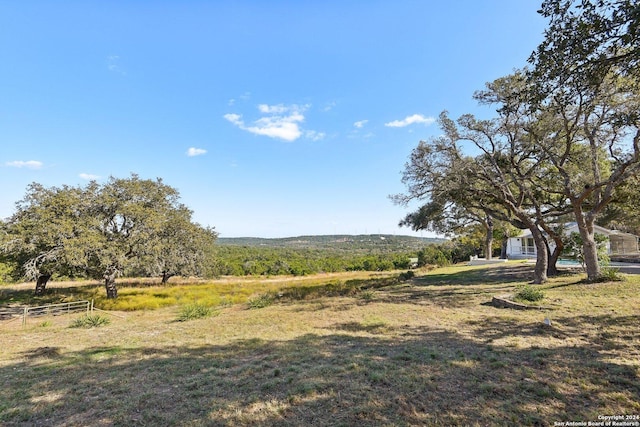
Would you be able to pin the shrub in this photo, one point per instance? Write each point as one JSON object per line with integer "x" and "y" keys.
{"x": 407, "y": 275}
{"x": 610, "y": 274}
{"x": 367, "y": 295}
{"x": 194, "y": 311}
{"x": 435, "y": 255}
{"x": 261, "y": 301}
{"x": 90, "y": 321}
{"x": 529, "y": 293}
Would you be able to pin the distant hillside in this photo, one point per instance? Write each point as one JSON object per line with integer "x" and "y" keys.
{"x": 365, "y": 242}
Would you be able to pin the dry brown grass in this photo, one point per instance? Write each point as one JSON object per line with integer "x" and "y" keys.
{"x": 428, "y": 352}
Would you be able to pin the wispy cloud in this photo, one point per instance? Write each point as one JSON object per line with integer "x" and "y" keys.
{"x": 314, "y": 135}
{"x": 244, "y": 97}
{"x": 192, "y": 152}
{"x": 360, "y": 123}
{"x": 29, "y": 164}
{"x": 113, "y": 64}
{"x": 236, "y": 119}
{"x": 409, "y": 120}
{"x": 329, "y": 106}
{"x": 273, "y": 109}
{"x": 280, "y": 121}
{"x": 88, "y": 176}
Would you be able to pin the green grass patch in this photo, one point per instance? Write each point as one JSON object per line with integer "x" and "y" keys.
{"x": 261, "y": 301}
{"x": 194, "y": 311}
{"x": 90, "y": 321}
{"x": 431, "y": 351}
{"x": 529, "y": 293}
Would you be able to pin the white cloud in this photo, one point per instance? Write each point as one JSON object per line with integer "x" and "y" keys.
{"x": 113, "y": 64}
{"x": 272, "y": 109}
{"x": 329, "y": 106}
{"x": 192, "y": 152}
{"x": 282, "y": 122}
{"x": 236, "y": 119}
{"x": 314, "y": 136}
{"x": 29, "y": 164}
{"x": 359, "y": 124}
{"x": 409, "y": 120}
{"x": 88, "y": 176}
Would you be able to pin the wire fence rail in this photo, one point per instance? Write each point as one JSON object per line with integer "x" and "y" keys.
{"x": 11, "y": 314}
{"x": 57, "y": 309}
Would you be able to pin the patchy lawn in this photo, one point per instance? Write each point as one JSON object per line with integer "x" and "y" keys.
{"x": 431, "y": 351}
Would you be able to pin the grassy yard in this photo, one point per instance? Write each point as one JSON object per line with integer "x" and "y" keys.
{"x": 351, "y": 349}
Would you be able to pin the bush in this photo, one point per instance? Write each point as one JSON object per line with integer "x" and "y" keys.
{"x": 9, "y": 271}
{"x": 610, "y": 274}
{"x": 90, "y": 321}
{"x": 434, "y": 255}
{"x": 407, "y": 275}
{"x": 367, "y": 295}
{"x": 261, "y": 301}
{"x": 194, "y": 311}
{"x": 529, "y": 293}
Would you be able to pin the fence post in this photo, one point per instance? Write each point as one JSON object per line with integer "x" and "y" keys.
{"x": 92, "y": 306}
{"x": 24, "y": 316}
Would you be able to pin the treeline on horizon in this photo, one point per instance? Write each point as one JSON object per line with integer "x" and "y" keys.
{"x": 244, "y": 260}
{"x": 346, "y": 242}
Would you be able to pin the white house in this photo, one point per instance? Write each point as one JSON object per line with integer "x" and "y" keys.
{"x": 619, "y": 243}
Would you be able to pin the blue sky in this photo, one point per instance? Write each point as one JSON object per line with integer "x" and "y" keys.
{"x": 272, "y": 118}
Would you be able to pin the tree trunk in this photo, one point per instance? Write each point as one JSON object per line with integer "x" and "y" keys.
{"x": 110, "y": 283}
{"x": 41, "y": 284}
{"x": 488, "y": 242}
{"x": 166, "y": 276}
{"x": 503, "y": 248}
{"x": 589, "y": 246}
{"x": 552, "y": 268}
{"x": 540, "y": 270}
{"x": 590, "y": 250}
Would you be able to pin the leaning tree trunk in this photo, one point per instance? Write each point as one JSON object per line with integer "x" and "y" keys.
{"x": 110, "y": 283}
{"x": 589, "y": 246}
{"x": 166, "y": 276}
{"x": 41, "y": 284}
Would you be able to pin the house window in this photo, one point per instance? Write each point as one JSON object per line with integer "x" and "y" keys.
{"x": 527, "y": 248}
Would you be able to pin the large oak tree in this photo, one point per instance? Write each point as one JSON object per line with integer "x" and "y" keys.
{"x": 124, "y": 226}
{"x": 585, "y": 79}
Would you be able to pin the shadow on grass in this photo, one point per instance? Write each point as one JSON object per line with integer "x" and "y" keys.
{"x": 456, "y": 289}
{"x": 347, "y": 288}
{"x": 416, "y": 377}
{"x": 52, "y": 295}
{"x": 504, "y": 274}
